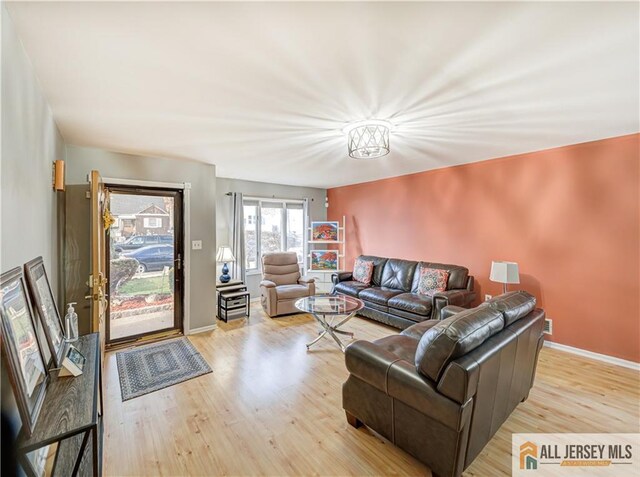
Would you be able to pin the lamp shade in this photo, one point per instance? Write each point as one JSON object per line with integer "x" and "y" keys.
{"x": 225, "y": 255}
{"x": 504, "y": 272}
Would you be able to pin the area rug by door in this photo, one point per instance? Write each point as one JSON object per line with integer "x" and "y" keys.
{"x": 159, "y": 365}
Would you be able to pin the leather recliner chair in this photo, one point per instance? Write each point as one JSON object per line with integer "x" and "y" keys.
{"x": 282, "y": 284}
{"x": 442, "y": 388}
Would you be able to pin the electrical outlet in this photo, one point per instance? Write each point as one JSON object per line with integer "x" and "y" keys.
{"x": 488, "y": 297}
{"x": 196, "y": 245}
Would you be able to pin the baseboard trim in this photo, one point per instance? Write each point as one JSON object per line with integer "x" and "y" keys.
{"x": 597, "y": 356}
{"x": 202, "y": 329}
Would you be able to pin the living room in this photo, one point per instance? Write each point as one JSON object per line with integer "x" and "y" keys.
{"x": 320, "y": 238}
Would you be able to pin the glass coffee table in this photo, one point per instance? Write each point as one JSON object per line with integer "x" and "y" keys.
{"x": 327, "y": 309}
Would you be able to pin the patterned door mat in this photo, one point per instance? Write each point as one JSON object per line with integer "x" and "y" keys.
{"x": 156, "y": 366}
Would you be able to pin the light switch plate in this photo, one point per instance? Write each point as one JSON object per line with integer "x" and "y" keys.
{"x": 196, "y": 245}
{"x": 488, "y": 297}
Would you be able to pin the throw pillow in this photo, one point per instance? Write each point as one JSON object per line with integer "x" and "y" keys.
{"x": 363, "y": 271}
{"x": 432, "y": 281}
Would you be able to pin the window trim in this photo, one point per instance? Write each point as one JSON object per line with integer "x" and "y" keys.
{"x": 258, "y": 202}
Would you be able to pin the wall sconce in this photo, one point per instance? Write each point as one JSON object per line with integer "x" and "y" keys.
{"x": 58, "y": 175}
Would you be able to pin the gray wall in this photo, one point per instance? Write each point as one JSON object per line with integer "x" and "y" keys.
{"x": 202, "y": 273}
{"x": 317, "y": 210}
{"x": 28, "y": 204}
{"x": 30, "y": 143}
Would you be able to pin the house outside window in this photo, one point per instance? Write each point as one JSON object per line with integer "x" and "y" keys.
{"x": 272, "y": 225}
{"x": 152, "y": 222}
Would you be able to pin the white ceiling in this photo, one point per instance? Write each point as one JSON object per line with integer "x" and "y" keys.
{"x": 263, "y": 90}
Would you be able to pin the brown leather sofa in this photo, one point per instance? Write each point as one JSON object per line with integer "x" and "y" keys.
{"x": 391, "y": 297}
{"x": 441, "y": 389}
{"x": 282, "y": 284}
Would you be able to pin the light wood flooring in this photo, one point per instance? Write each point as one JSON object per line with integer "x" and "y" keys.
{"x": 272, "y": 408}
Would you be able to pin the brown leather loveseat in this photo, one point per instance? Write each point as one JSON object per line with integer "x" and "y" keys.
{"x": 442, "y": 388}
{"x": 391, "y": 298}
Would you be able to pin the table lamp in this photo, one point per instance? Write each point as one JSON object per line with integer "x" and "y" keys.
{"x": 225, "y": 255}
{"x": 504, "y": 272}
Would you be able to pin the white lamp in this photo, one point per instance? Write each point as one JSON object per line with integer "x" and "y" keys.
{"x": 225, "y": 255}
{"x": 504, "y": 272}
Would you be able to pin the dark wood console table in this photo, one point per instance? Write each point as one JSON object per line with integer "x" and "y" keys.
{"x": 71, "y": 414}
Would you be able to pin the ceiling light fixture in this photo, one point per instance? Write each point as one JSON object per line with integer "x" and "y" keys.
{"x": 368, "y": 139}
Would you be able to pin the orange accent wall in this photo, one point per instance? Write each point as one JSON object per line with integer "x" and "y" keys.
{"x": 569, "y": 216}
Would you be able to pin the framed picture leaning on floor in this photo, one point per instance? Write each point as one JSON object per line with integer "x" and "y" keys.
{"x": 45, "y": 307}
{"x": 21, "y": 349}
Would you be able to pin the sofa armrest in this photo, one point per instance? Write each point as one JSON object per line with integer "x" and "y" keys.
{"x": 420, "y": 393}
{"x": 416, "y": 331}
{"x": 470, "y": 283}
{"x": 341, "y": 277}
{"x": 267, "y": 284}
{"x": 458, "y": 297}
{"x": 369, "y": 362}
{"x": 306, "y": 280}
{"x": 450, "y": 310}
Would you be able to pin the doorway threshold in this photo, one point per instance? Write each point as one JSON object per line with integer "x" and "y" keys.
{"x": 142, "y": 340}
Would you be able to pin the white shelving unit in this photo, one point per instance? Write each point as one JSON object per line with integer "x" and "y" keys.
{"x": 323, "y": 277}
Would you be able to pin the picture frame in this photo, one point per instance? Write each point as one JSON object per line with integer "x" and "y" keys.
{"x": 44, "y": 305}
{"x": 325, "y": 231}
{"x": 21, "y": 348}
{"x": 324, "y": 260}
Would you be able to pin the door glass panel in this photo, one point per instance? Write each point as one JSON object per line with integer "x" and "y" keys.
{"x": 271, "y": 227}
{"x": 141, "y": 273}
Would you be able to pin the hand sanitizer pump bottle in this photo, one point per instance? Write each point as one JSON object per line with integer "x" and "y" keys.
{"x": 71, "y": 324}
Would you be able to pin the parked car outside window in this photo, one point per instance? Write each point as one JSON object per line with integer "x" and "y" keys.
{"x": 152, "y": 257}
{"x": 138, "y": 241}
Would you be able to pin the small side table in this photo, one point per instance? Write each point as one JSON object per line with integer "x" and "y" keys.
{"x": 71, "y": 415}
{"x": 232, "y": 296}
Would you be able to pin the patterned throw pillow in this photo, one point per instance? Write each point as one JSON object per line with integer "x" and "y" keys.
{"x": 432, "y": 281}
{"x": 362, "y": 271}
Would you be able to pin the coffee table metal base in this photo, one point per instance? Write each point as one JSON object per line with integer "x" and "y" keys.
{"x": 328, "y": 328}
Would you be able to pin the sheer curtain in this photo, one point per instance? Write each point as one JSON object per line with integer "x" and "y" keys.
{"x": 237, "y": 236}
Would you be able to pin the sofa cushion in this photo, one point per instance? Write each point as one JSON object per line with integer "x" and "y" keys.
{"x": 363, "y": 271}
{"x": 350, "y": 287}
{"x": 378, "y": 295}
{"x": 413, "y": 303}
{"x": 513, "y": 305}
{"x": 407, "y": 315}
{"x": 457, "y": 275}
{"x": 431, "y": 281}
{"x": 378, "y": 266}
{"x": 289, "y": 292}
{"x": 398, "y": 274}
{"x": 404, "y": 347}
{"x": 455, "y": 337}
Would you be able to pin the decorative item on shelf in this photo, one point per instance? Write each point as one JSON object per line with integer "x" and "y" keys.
{"x": 368, "y": 139}
{"x": 225, "y": 255}
{"x": 21, "y": 348}
{"x": 45, "y": 307}
{"x": 58, "y": 175}
{"x": 324, "y": 231}
{"x": 324, "y": 260}
{"x": 73, "y": 363}
{"x": 505, "y": 273}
